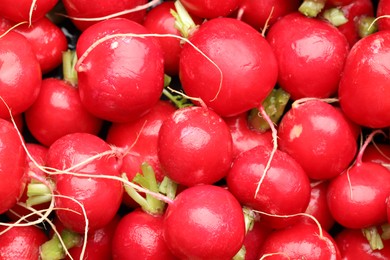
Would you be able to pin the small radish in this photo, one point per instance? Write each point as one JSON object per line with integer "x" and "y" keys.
{"x": 245, "y": 138}
{"x": 21, "y": 243}
{"x": 285, "y": 189}
{"x": 58, "y": 104}
{"x": 139, "y": 235}
{"x": 72, "y": 151}
{"x": 209, "y": 75}
{"x": 353, "y": 245}
{"x": 383, "y": 10}
{"x": 254, "y": 239}
{"x": 311, "y": 54}
{"x": 258, "y": 13}
{"x": 38, "y": 152}
{"x": 209, "y": 10}
{"x": 318, "y": 206}
{"x": 378, "y": 153}
{"x": 204, "y": 222}
{"x": 365, "y": 81}
{"x": 13, "y": 163}
{"x": 99, "y": 8}
{"x": 160, "y": 20}
{"x": 20, "y": 74}
{"x": 119, "y": 78}
{"x": 363, "y": 189}
{"x": 300, "y": 241}
{"x": 318, "y": 137}
{"x": 46, "y": 38}
{"x": 195, "y": 146}
{"x": 25, "y": 10}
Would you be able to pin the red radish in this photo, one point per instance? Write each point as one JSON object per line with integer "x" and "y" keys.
{"x": 318, "y": 206}
{"x": 21, "y": 243}
{"x": 99, "y": 8}
{"x": 310, "y": 53}
{"x": 94, "y": 193}
{"x": 120, "y": 78}
{"x": 364, "y": 188}
{"x": 300, "y": 241}
{"x": 383, "y": 9}
{"x": 318, "y": 137}
{"x": 20, "y": 74}
{"x": 195, "y": 146}
{"x": 356, "y": 12}
{"x": 209, "y": 10}
{"x": 365, "y": 81}
{"x": 377, "y": 153}
{"x": 284, "y": 190}
{"x": 339, "y": 2}
{"x": 254, "y": 239}
{"x": 258, "y": 13}
{"x": 46, "y": 38}
{"x": 160, "y": 20}
{"x": 13, "y": 163}
{"x": 211, "y": 79}
{"x": 245, "y": 138}
{"x": 353, "y": 245}
{"x": 58, "y": 104}
{"x": 141, "y": 139}
{"x": 38, "y": 152}
{"x": 25, "y": 10}
{"x": 139, "y": 235}
{"x": 204, "y": 222}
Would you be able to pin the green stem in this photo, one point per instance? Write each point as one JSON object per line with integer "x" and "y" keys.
{"x": 274, "y": 106}
{"x": 385, "y": 231}
{"x": 335, "y": 16}
{"x": 311, "y": 8}
{"x": 240, "y": 254}
{"x": 183, "y": 20}
{"x": 373, "y": 237}
{"x": 178, "y": 100}
{"x": 168, "y": 187}
{"x": 38, "y": 193}
{"x": 53, "y": 249}
{"x": 148, "y": 181}
{"x": 69, "y": 60}
{"x": 366, "y": 26}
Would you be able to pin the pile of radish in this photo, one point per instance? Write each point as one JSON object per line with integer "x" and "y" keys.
{"x": 237, "y": 129}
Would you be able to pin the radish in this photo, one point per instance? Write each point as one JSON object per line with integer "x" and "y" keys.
{"x": 26, "y": 10}
{"x": 360, "y": 14}
{"x": 243, "y": 137}
{"x": 258, "y": 13}
{"x": 311, "y": 54}
{"x": 20, "y": 74}
{"x": 139, "y": 235}
{"x": 300, "y": 241}
{"x": 378, "y": 153}
{"x": 140, "y": 138}
{"x": 122, "y": 77}
{"x": 318, "y": 206}
{"x": 160, "y": 20}
{"x": 210, "y": 10}
{"x": 285, "y": 189}
{"x": 364, "y": 82}
{"x": 38, "y": 152}
{"x": 334, "y": 145}
{"x": 204, "y": 222}
{"x": 71, "y": 152}
{"x": 99, "y": 8}
{"x": 13, "y": 163}
{"x": 21, "y": 243}
{"x": 364, "y": 188}
{"x": 353, "y": 245}
{"x": 195, "y": 146}
{"x": 58, "y": 104}
{"x": 254, "y": 239}
{"x": 46, "y": 38}
{"x": 383, "y": 10}
{"x": 209, "y": 76}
